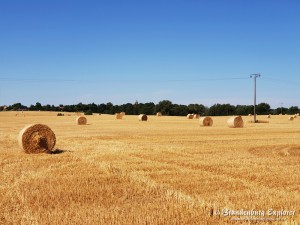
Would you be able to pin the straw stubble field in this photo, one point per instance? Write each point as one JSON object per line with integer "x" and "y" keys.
{"x": 168, "y": 170}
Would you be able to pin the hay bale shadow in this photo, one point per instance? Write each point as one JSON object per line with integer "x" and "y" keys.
{"x": 59, "y": 151}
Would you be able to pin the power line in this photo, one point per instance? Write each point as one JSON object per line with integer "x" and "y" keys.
{"x": 280, "y": 80}
{"x": 10, "y": 79}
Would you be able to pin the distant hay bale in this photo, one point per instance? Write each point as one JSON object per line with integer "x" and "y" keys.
{"x": 36, "y": 138}
{"x": 295, "y": 116}
{"x": 119, "y": 116}
{"x": 291, "y": 118}
{"x": 123, "y": 113}
{"x": 158, "y": 114}
{"x": 280, "y": 114}
{"x": 196, "y": 116}
{"x": 143, "y": 117}
{"x": 235, "y": 122}
{"x": 81, "y": 120}
{"x": 190, "y": 116}
{"x": 249, "y": 114}
{"x": 268, "y": 116}
{"x": 206, "y": 121}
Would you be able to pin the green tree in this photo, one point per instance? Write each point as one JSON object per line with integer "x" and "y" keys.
{"x": 179, "y": 110}
{"x": 147, "y": 108}
{"x": 263, "y": 109}
{"x": 293, "y": 110}
{"x": 38, "y": 106}
{"x": 221, "y": 110}
{"x": 244, "y": 109}
{"x": 196, "y": 108}
{"x": 164, "y": 107}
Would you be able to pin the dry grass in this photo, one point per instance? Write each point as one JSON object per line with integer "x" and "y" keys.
{"x": 166, "y": 171}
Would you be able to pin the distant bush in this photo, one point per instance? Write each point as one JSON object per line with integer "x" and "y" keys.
{"x": 89, "y": 112}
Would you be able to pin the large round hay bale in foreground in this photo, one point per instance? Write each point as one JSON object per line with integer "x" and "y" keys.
{"x": 235, "y": 122}
{"x": 119, "y": 116}
{"x": 190, "y": 116}
{"x": 291, "y": 118}
{"x": 206, "y": 121}
{"x": 158, "y": 114}
{"x": 81, "y": 120}
{"x": 143, "y": 117}
{"x": 37, "y": 138}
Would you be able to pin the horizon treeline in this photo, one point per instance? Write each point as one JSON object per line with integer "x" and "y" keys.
{"x": 166, "y": 107}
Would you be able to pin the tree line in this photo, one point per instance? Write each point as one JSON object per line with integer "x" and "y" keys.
{"x": 166, "y": 107}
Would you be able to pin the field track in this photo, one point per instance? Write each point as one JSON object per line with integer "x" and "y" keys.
{"x": 167, "y": 170}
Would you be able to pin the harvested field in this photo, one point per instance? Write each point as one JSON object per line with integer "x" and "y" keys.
{"x": 169, "y": 170}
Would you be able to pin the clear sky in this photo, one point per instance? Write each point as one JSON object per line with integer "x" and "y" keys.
{"x": 186, "y": 51}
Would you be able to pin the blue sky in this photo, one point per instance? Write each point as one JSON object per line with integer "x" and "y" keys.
{"x": 71, "y": 51}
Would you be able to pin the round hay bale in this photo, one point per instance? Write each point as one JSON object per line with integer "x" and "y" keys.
{"x": 268, "y": 116}
{"x": 143, "y": 117}
{"x": 123, "y": 113}
{"x": 190, "y": 116}
{"x": 235, "y": 122}
{"x": 119, "y": 116}
{"x": 206, "y": 121}
{"x": 36, "y": 138}
{"x": 291, "y": 118}
{"x": 250, "y": 114}
{"x": 196, "y": 116}
{"x": 158, "y": 114}
{"x": 81, "y": 120}
{"x": 295, "y": 116}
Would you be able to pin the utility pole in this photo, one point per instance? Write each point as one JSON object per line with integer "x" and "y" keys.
{"x": 254, "y": 76}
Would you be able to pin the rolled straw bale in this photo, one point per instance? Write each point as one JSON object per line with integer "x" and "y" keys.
{"x": 291, "y": 118}
{"x": 143, "y": 117}
{"x": 123, "y": 113}
{"x": 81, "y": 120}
{"x": 295, "y": 116}
{"x": 235, "y": 122}
{"x": 196, "y": 116}
{"x": 268, "y": 116}
{"x": 36, "y": 138}
{"x": 206, "y": 121}
{"x": 158, "y": 114}
{"x": 249, "y": 114}
{"x": 119, "y": 116}
{"x": 190, "y": 116}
